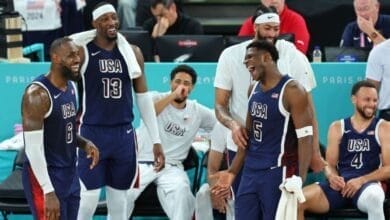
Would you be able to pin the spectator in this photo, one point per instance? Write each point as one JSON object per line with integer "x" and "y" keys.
{"x": 378, "y": 72}
{"x": 358, "y": 158}
{"x": 143, "y": 10}
{"x": 126, "y": 13}
{"x": 290, "y": 23}
{"x": 179, "y": 120}
{"x": 370, "y": 27}
{"x": 169, "y": 20}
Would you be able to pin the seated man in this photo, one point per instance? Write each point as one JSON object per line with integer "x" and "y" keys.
{"x": 370, "y": 27}
{"x": 179, "y": 120}
{"x": 356, "y": 146}
{"x": 167, "y": 19}
{"x": 209, "y": 205}
{"x": 290, "y": 23}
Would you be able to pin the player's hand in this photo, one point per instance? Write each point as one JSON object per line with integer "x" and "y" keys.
{"x": 352, "y": 186}
{"x": 336, "y": 182}
{"x": 92, "y": 152}
{"x": 181, "y": 92}
{"x": 317, "y": 163}
{"x": 239, "y": 135}
{"x": 159, "y": 158}
{"x": 223, "y": 184}
{"x": 218, "y": 202}
{"x": 52, "y": 206}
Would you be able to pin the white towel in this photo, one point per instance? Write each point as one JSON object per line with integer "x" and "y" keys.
{"x": 83, "y": 38}
{"x": 14, "y": 143}
{"x": 291, "y": 194}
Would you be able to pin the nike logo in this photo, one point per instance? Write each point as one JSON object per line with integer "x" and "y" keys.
{"x": 356, "y": 38}
{"x": 347, "y": 131}
{"x": 96, "y": 53}
{"x": 128, "y": 131}
{"x": 269, "y": 17}
{"x": 57, "y": 95}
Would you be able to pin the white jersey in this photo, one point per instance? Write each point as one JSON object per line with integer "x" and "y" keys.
{"x": 232, "y": 75}
{"x": 378, "y": 69}
{"x": 177, "y": 128}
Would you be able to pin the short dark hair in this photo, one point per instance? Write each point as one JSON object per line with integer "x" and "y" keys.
{"x": 166, "y": 3}
{"x": 359, "y": 84}
{"x": 262, "y": 9}
{"x": 186, "y": 69}
{"x": 267, "y": 46}
{"x": 57, "y": 43}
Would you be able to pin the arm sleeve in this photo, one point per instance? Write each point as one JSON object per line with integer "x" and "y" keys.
{"x": 148, "y": 115}
{"x": 36, "y": 156}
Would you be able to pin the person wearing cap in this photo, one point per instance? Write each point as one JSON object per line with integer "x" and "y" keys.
{"x": 111, "y": 71}
{"x": 232, "y": 81}
{"x": 370, "y": 27}
{"x": 290, "y": 23}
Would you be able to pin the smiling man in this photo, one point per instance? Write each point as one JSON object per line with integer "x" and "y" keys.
{"x": 111, "y": 71}
{"x": 358, "y": 156}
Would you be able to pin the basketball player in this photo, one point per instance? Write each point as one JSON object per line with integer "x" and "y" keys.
{"x": 280, "y": 136}
{"x": 50, "y": 178}
{"x": 179, "y": 120}
{"x": 111, "y": 70}
{"x": 358, "y": 156}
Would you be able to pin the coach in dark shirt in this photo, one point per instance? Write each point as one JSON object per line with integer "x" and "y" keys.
{"x": 168, "y": 20}
{"x": 370, "y": 27}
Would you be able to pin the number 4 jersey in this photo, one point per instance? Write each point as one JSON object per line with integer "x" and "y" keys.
{"x": 106, "y": 97}
{"x": 359, "y": 151}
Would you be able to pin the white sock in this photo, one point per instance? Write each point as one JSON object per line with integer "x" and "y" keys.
{"x": 371, "y": 201}
{"x": 116, "y": 203}
{"x": 88, "y": 203}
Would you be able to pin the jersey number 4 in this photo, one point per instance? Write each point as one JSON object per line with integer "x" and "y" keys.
{"x": 357, "y": 161}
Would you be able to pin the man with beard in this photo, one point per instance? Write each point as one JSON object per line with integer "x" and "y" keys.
{"x": 179, "y": 120}
{"x": 358, "y": 156}
{"x": 50, "y": 178}
{"x": 232, "y": 81}
{"x": 111, "y": 70}
{"x": 278, "y": 136}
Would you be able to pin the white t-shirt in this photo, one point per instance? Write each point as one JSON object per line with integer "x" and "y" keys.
{"x": 177, "y": 128}
{"x": 232, "y": 75}
{"x": 378, "y": 69}
{"x": 218, "y": 137}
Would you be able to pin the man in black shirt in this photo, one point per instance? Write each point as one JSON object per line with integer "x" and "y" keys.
{"x": 167, "y": 19}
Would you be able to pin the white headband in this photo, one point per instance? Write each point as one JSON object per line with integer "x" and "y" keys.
{"x": 267, "y": 17}
{"x": 102, "y": 10}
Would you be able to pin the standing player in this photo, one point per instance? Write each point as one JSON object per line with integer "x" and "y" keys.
{"x": 357, "y": 146}
{"x": 279, "y": 139}
{"x": 50, "y": 178}
{"x": 111, "y": 70}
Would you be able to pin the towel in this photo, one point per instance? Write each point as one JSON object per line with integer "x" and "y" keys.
{"x": 83, "y": 38}
{"x": 291, "y": 194}
{"x": 14, "y": 143}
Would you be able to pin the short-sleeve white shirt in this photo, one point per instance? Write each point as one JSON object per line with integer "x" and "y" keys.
{"x": 232, "y": 75}
{"x": 177, "y": 129}
{"x": 378, "y": 69}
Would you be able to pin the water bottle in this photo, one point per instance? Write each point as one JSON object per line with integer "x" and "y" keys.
{"x": 317, "y": 54}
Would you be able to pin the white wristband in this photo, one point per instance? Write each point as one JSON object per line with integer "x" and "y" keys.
{"x": 36, "y": 156}
{"x": 305, "y": 131}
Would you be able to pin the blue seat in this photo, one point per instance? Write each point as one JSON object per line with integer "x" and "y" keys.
{"x": 35, "y": 48}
